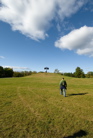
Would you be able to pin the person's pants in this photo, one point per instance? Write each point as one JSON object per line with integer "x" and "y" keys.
{"x": 63, "y": 92}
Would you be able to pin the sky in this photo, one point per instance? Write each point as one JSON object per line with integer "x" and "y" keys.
{"x": 46, "y": 33}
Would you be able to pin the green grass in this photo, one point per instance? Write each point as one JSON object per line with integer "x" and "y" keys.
{"x": 32, "y": 107}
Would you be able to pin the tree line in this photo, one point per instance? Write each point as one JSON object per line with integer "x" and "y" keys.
{"x": 79, "y": 73}
{"x": 8, "y": 72}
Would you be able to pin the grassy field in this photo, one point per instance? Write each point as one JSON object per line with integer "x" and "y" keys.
{"x": 32, "y": 107}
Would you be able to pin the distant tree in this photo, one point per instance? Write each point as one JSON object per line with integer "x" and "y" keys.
{"x": 69, "y": 74}
{"x": 89, "y": 74}
{"x": 8, "y": 72}
{"x": 56, "y": 71}
{"x": 79, "y": 73}
{"x": 34, "y": 72}
{"x": 22, "y": 73}
{"x": 1, "y": 72}
{"x": 46, "y": 68}
{"x": 18, "y": 74}
{"x": 27, "y": 73}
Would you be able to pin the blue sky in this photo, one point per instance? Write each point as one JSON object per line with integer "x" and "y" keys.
{"x": 37, "y": 33}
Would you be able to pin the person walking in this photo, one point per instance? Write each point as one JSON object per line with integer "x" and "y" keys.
{"x": 63, "y": 87}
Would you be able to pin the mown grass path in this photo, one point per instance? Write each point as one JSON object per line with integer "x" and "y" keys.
{"x": 32, "y": 107}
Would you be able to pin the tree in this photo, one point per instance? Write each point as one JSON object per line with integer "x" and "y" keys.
{"x": 56, "y": 71}
{"x": 46, "y": 68}
{"x": 69, "y": 74}
{"x": 89, "y": 74}
{"x": 8, "y": 72}
{"x": 18, "y": 74}
{"x": 1, "y": 71}
{"x": 79, "y": 73}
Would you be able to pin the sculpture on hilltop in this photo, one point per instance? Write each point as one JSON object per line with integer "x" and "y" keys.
{"x": 46, "y": 68}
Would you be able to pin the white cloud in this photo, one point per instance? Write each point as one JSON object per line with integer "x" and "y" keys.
{"x": 33, "y": 17}
{"x": 2, "y": 57}
{"x": 80, "y": 40}
{"x": 68, "y": 7}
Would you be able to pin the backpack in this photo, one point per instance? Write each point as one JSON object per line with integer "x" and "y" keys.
{"x": 63, "y": 83}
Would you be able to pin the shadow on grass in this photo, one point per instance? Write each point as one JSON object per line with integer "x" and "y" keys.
{"x": 80, "y": 134}
{"x": 77, "y": 94}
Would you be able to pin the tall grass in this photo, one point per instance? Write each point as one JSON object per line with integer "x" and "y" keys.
{"x": 32, "y": 107}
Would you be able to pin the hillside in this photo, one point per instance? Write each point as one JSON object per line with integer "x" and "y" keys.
{"x": 32, "y": 107}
